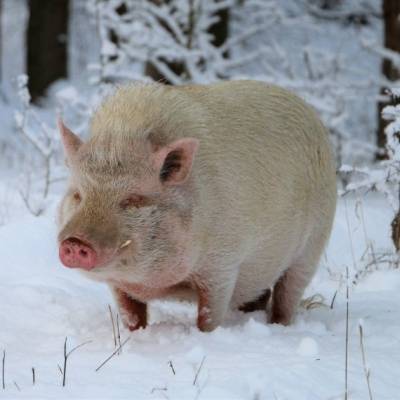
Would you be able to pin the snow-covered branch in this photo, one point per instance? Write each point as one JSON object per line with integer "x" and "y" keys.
{"x": 42, "y": 139}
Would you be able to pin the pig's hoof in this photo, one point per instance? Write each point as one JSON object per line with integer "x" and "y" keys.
{"x": 206, "y": 325}
{"x": 134, "y": 323}
{"x": 204, "y": 321}
{"x": 280, "y": 319}
{"x": 207, "y": 328}
{"x": 135, "y": 327}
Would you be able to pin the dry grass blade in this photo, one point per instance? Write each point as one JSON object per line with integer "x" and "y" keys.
{"x": 333, "y": 299}
{"x": 366, "y": 369}
{"x": 172, "y": 367}
{"x": 77, "y": 347}
{"x": 66, "y": 356}
{"x": 113, "y": 354}
{"x": 118, "y": 336}
{"x": 347, "y": 337}
{"x": 64, "y": 370}
{"x": 33, "y": 376}
{"x": 161, "y": 390}
{"x": 113, "y": 325}
{"x": 314, "y": 301}
{"x": 347, "y": 300}
{"x": 198, "y": 371}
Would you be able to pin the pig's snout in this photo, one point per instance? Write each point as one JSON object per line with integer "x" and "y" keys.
{"x": 74, "y": 253}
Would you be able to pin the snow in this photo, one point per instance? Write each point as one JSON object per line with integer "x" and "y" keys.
{"x": 308, "y": 347}
{"x": 43, "y": 303}
{"x": 246, "y": 358}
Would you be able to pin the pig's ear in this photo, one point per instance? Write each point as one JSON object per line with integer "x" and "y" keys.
{"x": 70, "y": 141}
{"x": 174, "y": 161}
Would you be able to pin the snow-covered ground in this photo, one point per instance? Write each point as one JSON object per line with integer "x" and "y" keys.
{"x": 42, "y": 303}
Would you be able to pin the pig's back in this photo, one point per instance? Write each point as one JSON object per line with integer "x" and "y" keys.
{"x": 265, "y": 143}
{"x": 266, "y": 169}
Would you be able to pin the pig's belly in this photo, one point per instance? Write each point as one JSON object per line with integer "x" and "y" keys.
{"x": 181, "y": 291}
{"x": 253, "y": 281}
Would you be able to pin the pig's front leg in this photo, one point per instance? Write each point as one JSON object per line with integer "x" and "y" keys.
{"x": 133, "y": 312}
{"x": 213, "y": 302}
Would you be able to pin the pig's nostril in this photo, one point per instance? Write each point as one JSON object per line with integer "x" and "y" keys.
{"x": 83, "y": 253}
{"x": 67, "y": 251}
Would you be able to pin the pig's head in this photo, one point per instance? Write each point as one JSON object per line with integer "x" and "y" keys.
{"x": 127, "y": 213}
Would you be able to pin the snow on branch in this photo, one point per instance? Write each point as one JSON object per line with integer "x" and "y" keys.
{"x": 175, "y": 37}
{"x": 173, "y": 41}
{"x": 391, "y": 55}
{"x": 42, "y": 138}
{"x": 385, "y": 177}
{"x": 346, "y": 10}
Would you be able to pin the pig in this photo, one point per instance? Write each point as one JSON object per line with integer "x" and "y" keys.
{"x": 223, "y": 192}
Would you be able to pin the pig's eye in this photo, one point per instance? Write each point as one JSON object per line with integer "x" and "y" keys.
{"x": 77, "y": 197}
{"x": 134, "y": 201}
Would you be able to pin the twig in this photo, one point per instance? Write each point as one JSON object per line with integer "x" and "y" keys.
{"x": 3, "y": 369}
{"x": 344, "y": 15}
{"x": 118, "y": 336}
{"x": 347, "y": 302}
{"x": 307, "y": 63}
{"x": 366, "y": 369}
{"x": 198, "y": 371}
{"x": 25, "y": 196}
{"x": 113, "y": 354}
{"x": 77, "y": 347}
{"x": 353, "y": 257}
{"x": 44, "y": 146}
{"x": 33, "y": 376}
{"x": 16, "y": 385}
{"x": 60, "y": 369}
{"x": 66, "y": 355}
{"x": 65, "y": 361}
{"x": 162, "y": 390}
{"x": 113, "y": 326}
{"x": 172, "y": 367}
{"x": 201, "y": 388}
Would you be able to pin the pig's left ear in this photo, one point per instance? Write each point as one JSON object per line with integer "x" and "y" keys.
{"x": 70, "y": 141}
{"x": 174, "y": 161}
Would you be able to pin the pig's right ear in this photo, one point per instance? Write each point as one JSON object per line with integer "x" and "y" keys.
{"x": 174, "y": 161}
{"x": 71, "y": 142}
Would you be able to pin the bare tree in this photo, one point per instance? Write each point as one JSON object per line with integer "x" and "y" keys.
{"x": 391, "y": 15}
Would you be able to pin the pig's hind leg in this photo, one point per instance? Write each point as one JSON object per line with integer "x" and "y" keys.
{"x": 133, "y": 312}
{"x": 290, "y": 287}
{"x": 287, "y": 294}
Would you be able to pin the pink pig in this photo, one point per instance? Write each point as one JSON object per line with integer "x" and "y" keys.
{"x": 222, "y": 191}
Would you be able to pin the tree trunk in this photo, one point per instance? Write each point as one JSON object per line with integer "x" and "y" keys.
{"x": 391, "y": 15}
{"x": 46, "y": 44}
